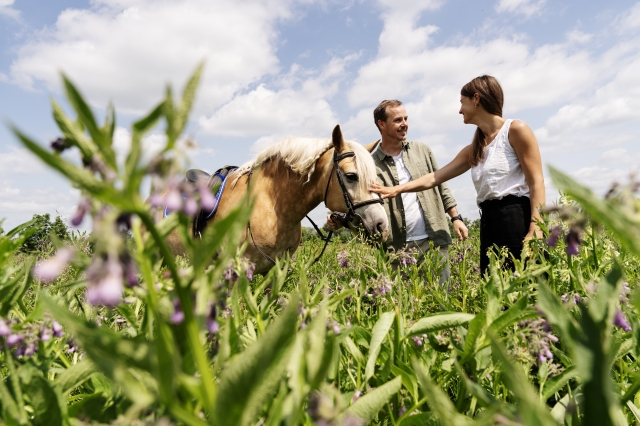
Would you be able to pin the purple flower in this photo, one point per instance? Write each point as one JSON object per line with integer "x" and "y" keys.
{"x": 45, "y": 333}
{"x": 564, "y": 298}
{"x": 336, "y": 328}
{"x": 620, "y": 320}
{"x": 60, "y": 144}
{"x": 573, "y": 242}
{"x": 554, "y": 235}
{"x": 230, "y": 274}
{"x": 81, "y": 210}
{"x": 156, "y": 200}
{"x": 343, "y": 259}
{"x": 57, "y": 329}
{"x": 356, "y": 395}
{"x": 5, "y": 330}
{"x": 14, "y": 339}
{"x": 29, "y": 349}
{"x": 106, "y": 288}
{"x": 48, "y": 270}
{"x": 72, "y": 346}
{"x": 212, "y": 326}
{"x": 417, "y": 340}
{"x": 207, "y": 200}
{"x": 190, "y": 206}
{"x": 178, "y": 315}
{"x": 248, "y": 270}
{"x": 173, "y": 200}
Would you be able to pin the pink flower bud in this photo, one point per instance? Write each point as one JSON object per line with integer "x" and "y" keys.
{"x": 190, "y": 206}
{"x": 173, "y": 200}
{"x": 48, "y": 270}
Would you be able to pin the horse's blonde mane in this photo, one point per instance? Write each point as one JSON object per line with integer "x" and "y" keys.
{"x": 301, "y": 155}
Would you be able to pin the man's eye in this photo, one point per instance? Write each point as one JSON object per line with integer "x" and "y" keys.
{"x": 353, "y": 177}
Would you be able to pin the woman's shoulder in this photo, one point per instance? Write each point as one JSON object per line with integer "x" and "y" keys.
{"x": 520, "y": 132}
{"x": 518, "y": 126}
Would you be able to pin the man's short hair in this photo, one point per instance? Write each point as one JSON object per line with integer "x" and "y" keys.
{"x": 380, "y": 113}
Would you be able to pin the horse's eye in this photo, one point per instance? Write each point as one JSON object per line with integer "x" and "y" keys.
{"x": 353, "y": 177}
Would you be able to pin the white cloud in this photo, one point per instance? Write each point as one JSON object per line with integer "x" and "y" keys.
{"x": 299, "y": 111}
{"x": 127, "y": 50}
{"x": 3, "y": 77}
{"x": 19, "y": 161}
{"x": 526, "y": 8}
{"x": 630, "y": 20}
{"x": 7, "y": 10}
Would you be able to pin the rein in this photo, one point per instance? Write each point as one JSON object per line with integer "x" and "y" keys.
{"x": 344, "y": 218}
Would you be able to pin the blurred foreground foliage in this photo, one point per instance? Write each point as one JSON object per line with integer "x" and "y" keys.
{"x": 124, "y": 333}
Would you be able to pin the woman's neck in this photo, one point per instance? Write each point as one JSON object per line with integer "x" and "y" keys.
{"x": 490, "y": 125}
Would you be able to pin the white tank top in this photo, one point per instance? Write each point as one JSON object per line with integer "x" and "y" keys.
{"x": 499, "y": 173}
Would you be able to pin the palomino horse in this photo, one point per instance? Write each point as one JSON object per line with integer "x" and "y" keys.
{"x": 291, "y": 178}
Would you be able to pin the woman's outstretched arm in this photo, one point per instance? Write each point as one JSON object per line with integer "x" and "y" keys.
{"x": 525, "y": 145}
{"x": 456, "y": 167}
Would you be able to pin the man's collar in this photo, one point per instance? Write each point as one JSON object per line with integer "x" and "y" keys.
{"x": 382, "y": 155}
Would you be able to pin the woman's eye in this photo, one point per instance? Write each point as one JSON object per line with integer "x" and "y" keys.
{"x": 353, "y": 177}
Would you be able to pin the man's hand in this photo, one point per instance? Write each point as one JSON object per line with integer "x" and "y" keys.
{"x": 384, "y": 191}
{"x": 332, "y": 224}
{"x": 460, "y": 229}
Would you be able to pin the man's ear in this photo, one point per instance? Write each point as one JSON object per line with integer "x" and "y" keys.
{"x": 338, "y": 140}
{"x": 372, "y": 146}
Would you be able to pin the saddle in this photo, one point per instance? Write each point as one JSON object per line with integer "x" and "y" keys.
{"x": 219, "y": 180}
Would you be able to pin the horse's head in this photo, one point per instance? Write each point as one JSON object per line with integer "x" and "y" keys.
{"x": 348, "y": 190}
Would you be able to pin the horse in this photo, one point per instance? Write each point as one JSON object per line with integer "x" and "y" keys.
{"x": 288, "y": 180}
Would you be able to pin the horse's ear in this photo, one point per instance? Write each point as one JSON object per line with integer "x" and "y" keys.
{"x": 338, "y": 140}
{"x": 372, "y": 146}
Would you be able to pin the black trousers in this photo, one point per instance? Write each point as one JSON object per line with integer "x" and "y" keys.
{"x": 503, "y": 223}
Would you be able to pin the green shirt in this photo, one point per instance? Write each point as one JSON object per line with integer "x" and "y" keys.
{"x": 434, "y": 202}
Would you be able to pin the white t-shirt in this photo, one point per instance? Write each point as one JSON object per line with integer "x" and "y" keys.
{"x": 413, "y": 214}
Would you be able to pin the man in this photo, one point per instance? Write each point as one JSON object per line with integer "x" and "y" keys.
{"x": 419, "y": 217}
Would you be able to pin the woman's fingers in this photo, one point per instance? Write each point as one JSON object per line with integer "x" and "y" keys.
{"x": 384, "y": 191}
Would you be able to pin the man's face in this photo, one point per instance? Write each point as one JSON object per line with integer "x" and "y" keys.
{"x": 397, "y": 124}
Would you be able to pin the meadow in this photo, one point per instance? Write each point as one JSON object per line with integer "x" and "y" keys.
{"x": 106, "y": 327}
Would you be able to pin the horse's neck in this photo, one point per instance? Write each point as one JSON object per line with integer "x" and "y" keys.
{"x": 294, "y": 196}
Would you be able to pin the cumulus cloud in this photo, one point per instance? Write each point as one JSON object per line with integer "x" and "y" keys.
{"x": 19, "y": 161}
{"x": 300, "y": 108}
{"x": 525, "y": 8}
{"x": 126, "y": 50}
{"x": 428, "y": 78}
{"x": 7, "y": 10}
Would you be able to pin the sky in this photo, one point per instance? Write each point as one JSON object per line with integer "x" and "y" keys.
{"x": 282, "y": 68}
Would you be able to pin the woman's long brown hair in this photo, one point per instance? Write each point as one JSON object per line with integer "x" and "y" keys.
{"x": 491, "y": 99}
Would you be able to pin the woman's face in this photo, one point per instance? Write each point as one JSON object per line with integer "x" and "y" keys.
{"x": 467, "y": 108}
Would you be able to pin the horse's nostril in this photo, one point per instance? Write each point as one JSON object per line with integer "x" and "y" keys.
{"x": 380, "y": 227}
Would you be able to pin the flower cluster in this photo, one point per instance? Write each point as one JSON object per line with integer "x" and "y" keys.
{"x": 537, "y": 334}
{"x": 177, "y": 194}
{"x": 343, "y": 259}
{"x": 50, "y": 269}
{"x": 237, "y": 266}
{"x": 406, "y": 257}
{"x": 419, "y": 340}
{"x": 381, "y": 286}
{"x": 570, "y": 298}
{"x": 24, "y": 338}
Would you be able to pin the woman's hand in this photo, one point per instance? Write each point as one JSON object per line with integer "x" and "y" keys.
{"x": 384, "y": 191}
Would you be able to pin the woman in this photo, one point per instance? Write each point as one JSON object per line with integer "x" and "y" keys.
{"x": 506, "y": 169}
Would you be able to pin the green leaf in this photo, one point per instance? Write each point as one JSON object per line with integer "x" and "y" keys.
{"x": 408, "y": 380}
{"x": 516, "y": 313}
{"x": 439, "y": 402}
{"x": 621, "y": 223}
{"x": 81, "y": 177}
{"x": 73, "y": 132}
{"x": 558, "y": 382}
{"x": 378, "y": 334}
{"x": 140, "y": 128}
{"x": 74, "y": 376}
{"x": 422, "y": 419}
{"x": 49, "y": 408}
{"x": 439, "y": 321}
{"x": 367, "y": 406}
{"x": 255, "y": 374}
{"x": 476, "y": 328}
{"x": 188, "y": 96}
{"x": 113, "y": 354}
{"x": 88, "y": 120}
{"x": 532, "y": 412}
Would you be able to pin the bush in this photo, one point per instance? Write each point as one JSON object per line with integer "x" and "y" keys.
{"x": 43, "y": 230}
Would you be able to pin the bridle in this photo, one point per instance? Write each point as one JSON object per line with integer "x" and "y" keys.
{"x": 344, "y": 218}
{"x": 351, "y": 206}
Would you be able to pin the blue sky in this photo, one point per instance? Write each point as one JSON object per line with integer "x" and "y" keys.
{"x": 277, "y": 68}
